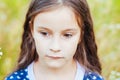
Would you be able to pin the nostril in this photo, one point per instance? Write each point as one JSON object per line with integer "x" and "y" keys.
{"x": 55, "y": 51}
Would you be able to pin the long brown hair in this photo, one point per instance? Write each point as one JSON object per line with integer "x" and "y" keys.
{"x": 86, "y": 53}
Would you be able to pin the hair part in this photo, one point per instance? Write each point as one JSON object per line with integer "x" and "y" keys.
{"x": 86, "y": 53}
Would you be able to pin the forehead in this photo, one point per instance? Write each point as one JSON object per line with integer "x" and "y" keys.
{"x": 62, "y": 17}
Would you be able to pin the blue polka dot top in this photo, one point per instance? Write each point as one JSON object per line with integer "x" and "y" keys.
{"x": 23, "y": 75}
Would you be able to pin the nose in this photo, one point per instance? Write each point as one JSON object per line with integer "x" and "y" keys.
{"x": 55, "y": 51}
{"x": 55, "y": 45}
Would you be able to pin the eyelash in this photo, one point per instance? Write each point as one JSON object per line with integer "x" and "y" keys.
{"x": 68, "y": 35}
{"x": 46, "y": 34}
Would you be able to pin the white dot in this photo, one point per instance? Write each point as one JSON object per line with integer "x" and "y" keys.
{"x": 94, "y": 77}
{"x": 15, "y": 73}
{"x": 24, "y": 79}
{"x": 27, "y": 76}
{"x": 26, "y": 70}
{"x": 90, "y": 73}
{"x": 21, "y": 73}
{"x": 18, "y": 77}
{"x": 11, "y": 77}
{"x": 100, "y": 76}
{"x": 87, "y": 79}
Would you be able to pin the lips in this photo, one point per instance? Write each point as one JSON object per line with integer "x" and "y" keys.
{"x": 54, "y": 57}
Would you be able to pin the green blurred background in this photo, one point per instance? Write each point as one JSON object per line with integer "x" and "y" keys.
{"x": 106, "y": 17}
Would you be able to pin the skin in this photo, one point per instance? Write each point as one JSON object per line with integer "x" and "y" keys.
{"x": 56, "y": 34}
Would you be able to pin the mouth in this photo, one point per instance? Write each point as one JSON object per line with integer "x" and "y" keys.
{"x": 54, "y": 57}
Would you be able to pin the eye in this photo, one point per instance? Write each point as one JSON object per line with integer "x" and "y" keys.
{"x": 43, "y": 33}
{"x": 67, "y": 35}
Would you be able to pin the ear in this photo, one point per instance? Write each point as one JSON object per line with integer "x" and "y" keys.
{"x": 79, "y": 40}
{"x": 31, "y": 28}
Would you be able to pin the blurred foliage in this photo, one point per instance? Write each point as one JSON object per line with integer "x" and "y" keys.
{"x": 106, "y": 19}
{"x": 12, "y": 15}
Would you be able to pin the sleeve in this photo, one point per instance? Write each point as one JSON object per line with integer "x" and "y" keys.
{"x": 93, "y": 76}
{"x": 18, "y": 75}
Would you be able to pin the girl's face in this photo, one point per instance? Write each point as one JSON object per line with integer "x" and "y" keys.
{"x": 56, "y": 34}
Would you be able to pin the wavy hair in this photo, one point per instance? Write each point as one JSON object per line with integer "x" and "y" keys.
{"x": 86, "y": 53}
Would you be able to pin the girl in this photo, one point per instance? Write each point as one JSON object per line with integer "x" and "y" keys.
{"x": 58, "y": 43}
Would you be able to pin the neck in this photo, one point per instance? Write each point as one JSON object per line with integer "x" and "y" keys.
{"x": 69, "y": 69}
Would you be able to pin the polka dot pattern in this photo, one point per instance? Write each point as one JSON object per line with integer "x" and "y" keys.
{"x": 92, "y": 76}
{"x": 18, "y": 75}
{"x": 23, "y": 75}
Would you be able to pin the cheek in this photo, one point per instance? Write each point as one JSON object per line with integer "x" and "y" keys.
{"x": 70, "y": 47}
{"x": 40, "y": 44}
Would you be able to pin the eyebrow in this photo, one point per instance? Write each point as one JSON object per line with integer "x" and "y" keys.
{"x": 70, "y": 30}
{"x": 43, "y": 28}
{"x": 65, "y": 30}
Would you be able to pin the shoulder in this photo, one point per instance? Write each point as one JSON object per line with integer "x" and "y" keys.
{"x": 21, "y": 74}
{"x": 92, "y": 76}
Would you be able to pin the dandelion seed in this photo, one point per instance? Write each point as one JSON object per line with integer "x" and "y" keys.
{"x": 1, "y": 53}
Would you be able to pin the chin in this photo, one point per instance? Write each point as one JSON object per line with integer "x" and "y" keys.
{"x": 55, "y": 64}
